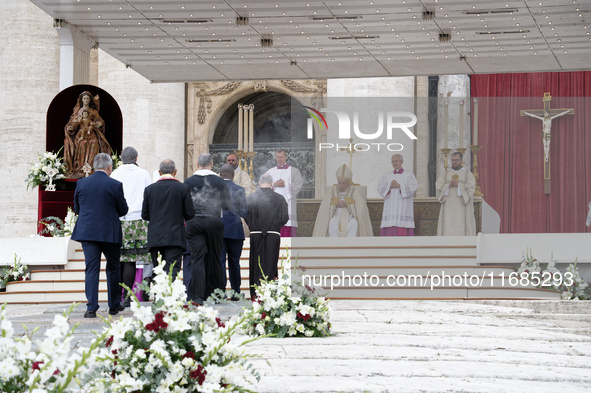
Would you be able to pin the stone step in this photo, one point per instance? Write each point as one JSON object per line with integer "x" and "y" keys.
{"x": 380, "y": 259}
{"x": 367, "y": 277}
{"x": 49, "y": 297}
{"x": 383, "y": 251}
{"x": 50, "y": 285}
{"x": 78, "y": 274}
{"x": 480, "y": 271}
{"x": 411, "y": 292}
{"x": 80, "y": 264}
{"x": 65, "y": 296}
{"x": 393, "y": 260}
{"x": 377, "y": 241}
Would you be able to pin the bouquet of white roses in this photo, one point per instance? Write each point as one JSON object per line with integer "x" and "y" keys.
{"x": 280, "y": 310}
{"x": 172, "y": 346}
{"x": 48, "y": 168}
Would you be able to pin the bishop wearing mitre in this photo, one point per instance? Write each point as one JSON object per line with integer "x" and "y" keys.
{"x": 343, "y": 211}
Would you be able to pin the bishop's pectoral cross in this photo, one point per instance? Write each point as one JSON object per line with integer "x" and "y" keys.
{"x": 546, "y": 115}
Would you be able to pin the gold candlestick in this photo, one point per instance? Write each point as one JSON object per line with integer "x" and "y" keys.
{"x": 445, "y": 152}
{"x": 249, "y": 155}
{"x": 474, "y": 149}
{"x": 240, "y": 154}
{"x": 461, "y": 150}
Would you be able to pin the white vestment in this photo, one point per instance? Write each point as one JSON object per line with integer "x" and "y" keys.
{"x": 456, "y": 216}
{"x": 588, "y": 222}
{"x": 293, "y": 184}
{"x": 398, "y": 208}
{"x": 135, "y": 180}
{"x": 242, "y": 178}
{"x": 350, "y": 221}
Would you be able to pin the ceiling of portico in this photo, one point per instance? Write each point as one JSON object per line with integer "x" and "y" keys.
{"x": 189, "y": 40}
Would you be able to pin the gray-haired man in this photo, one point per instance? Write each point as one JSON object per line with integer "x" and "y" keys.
{"x": 99, "y": 202}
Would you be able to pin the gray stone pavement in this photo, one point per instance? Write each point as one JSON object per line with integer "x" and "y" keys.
{"x": 411, "y": 346}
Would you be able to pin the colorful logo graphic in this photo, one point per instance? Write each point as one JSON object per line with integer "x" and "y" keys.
{"x": 317, "y": 116}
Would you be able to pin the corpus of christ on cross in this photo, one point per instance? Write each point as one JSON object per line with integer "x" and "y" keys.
{"x": 546, "y": 115}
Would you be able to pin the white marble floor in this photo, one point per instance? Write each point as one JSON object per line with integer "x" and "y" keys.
{"x": 437, "y": 346}
{"x": 413, "y": 346}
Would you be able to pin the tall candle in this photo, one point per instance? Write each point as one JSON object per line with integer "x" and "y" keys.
{"x": 445, "y": 125}
{"x": 251, "y": 129}
{"x": 239, "y": 126}
{"x": 462, "y": 124}
{"x": 245, "y": 127}
{"x": 475, "y": 138}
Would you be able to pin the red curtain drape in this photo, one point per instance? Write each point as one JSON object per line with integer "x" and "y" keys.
{"x": 510, "y": 162}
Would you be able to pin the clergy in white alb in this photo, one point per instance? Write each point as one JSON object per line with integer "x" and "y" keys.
{"x": 455, "y": 191}
{"x": 397, "y": 188}
{"x": 241, "y": 177}
{"x": 343, "y": 211}
{"x": 287, "y": 182}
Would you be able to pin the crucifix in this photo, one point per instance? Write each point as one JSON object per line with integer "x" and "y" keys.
{"x": 351, "y": 150}
{"x": 546, "y": 115}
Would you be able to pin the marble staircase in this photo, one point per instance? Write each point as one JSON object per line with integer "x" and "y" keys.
{"x": 362, "y": 268}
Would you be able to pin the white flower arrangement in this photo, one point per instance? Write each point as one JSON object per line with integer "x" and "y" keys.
{"x": 46, "y": 170}
{"x": 116, "y": 159}
{"x": 16, "y": 271}
{"x": 529, "y": 264}
{"x": 44, "y": 366}
{"x": 172, "y": 346}
{"x": 55, "y": 227}
{"x": 280, "y": 311}
{"x": 571, "y": 285}
{"x": 580, "y": 290}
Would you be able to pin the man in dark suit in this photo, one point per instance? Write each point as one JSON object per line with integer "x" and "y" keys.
{"x": 99, "y": 202}
{"x": 205, "y": 231}
{"x": 167, "y": 204}
{"x": 233, "y": 230}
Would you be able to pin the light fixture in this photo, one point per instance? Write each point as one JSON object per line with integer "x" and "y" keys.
{"x": 266, "y": 42}
{"x": 242, "y": 21}
{"x": 428, "y": 15}
{"x": 444, "y": 37}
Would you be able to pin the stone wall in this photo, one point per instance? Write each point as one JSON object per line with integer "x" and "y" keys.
{"x": 153, "y": 114}
{"x": 29, "y": 79}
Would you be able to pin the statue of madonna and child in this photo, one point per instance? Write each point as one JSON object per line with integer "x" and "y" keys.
{"x": 84, "y": 136}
